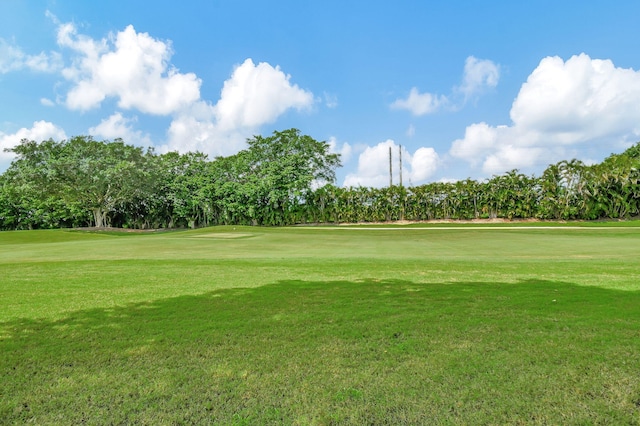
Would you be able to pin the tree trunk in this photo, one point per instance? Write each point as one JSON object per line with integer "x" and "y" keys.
{"x": 99, "y": 217}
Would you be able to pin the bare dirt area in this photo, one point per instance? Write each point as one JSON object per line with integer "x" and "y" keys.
{"x": 443, "y": 221}
{"x": 225, "y": 235}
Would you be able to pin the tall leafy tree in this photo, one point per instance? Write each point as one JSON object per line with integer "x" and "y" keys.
{"x": 98, "y": 176}
{"x": 31, "y": 189}
{"x": 277, "y": 174}
{"x": 183, "y": 187}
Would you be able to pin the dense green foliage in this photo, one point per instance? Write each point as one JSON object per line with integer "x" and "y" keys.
{"x": 283, "y": 179}
{"x": 83, "y": 182}
{"x": 322, "y": 325}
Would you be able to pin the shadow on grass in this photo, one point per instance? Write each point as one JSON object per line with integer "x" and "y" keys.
{"x": 295, "y": 352}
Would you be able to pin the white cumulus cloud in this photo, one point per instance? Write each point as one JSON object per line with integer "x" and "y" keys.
{"x": 373, "y": 166}
{"x": 344, "y": 150}
{"x": 423, "y": 163}
{"x": 563, "y": 106}
{"x": 258, "y": 94}
{"x": 118, "y": 126}
{"x": 578, "y": 100}
{"x": 478, "y": 139}
{"x": 253, "y": 96}
{"x": 201, "y": 133}
{"x": 132, "y": 67}
{"x": 40, "y": 131}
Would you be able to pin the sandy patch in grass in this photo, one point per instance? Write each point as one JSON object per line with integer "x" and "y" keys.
{"x": 438, "y": 221}
{"x": 225, "y": 235}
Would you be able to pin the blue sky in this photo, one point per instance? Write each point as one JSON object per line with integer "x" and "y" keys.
{"x": 467, "y": 88}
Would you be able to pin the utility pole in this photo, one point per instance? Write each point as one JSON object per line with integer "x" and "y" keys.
{"x": 390, "y": 169}
{"x": 401, "y": 191}
{"x": 400, "y": 156}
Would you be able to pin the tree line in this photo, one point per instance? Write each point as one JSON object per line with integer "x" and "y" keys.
{"x": 282, "y": 179}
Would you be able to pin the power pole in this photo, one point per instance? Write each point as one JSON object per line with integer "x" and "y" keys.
{"x": 390, "y": 169}
{"x": 400, "y": 156}
{"x": 401, "y": 191}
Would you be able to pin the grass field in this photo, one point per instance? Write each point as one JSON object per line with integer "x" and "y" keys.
{"x": 327, "y": 325}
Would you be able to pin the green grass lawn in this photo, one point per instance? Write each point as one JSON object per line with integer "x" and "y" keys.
{"x": 325, "y": 325}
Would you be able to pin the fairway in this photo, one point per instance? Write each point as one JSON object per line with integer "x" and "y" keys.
{"x": 420, "y": 324}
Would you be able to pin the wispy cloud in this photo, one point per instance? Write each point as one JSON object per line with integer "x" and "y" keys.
{"x": 330, "y": 100}
{"x": 420, "y": 103}
{"x": 12, "y": 58}
{"x": 479, "y": 75}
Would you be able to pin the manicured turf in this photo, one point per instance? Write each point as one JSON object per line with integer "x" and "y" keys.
{"x": 321, "y": 326}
